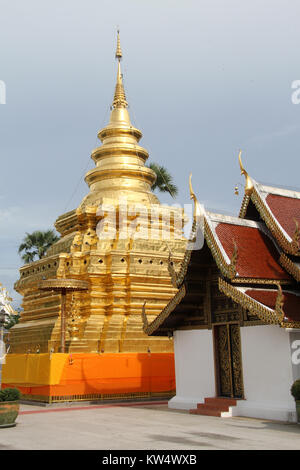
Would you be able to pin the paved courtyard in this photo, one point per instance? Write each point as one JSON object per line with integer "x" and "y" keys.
{"x": 140, "y": 426}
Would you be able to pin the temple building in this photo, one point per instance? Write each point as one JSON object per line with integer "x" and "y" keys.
{"x": 117, "y": 243}
{"x": 5, "y": 301}
{"x": 235, "y": 319}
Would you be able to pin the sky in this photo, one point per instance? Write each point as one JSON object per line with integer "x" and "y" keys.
{"x": 203, "y": 78}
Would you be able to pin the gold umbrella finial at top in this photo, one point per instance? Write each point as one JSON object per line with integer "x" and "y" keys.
{"x": 119, "y": 50}
{"x": 119, "y": 97}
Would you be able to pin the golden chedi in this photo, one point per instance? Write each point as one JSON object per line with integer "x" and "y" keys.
{"x": 118, "y": 240}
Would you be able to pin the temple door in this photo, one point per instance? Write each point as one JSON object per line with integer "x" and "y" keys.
{"x": 228, "y": 360}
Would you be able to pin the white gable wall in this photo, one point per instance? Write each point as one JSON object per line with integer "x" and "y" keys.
{"x": 267, "y": 372}
{"x": 194, "y": 368}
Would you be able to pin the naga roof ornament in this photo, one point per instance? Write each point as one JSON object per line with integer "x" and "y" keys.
{"x": 249, "y": 184}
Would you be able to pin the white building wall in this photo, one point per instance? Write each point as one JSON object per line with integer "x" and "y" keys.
{"x": 194, "y": 368}
{"x": 267, "y": 372}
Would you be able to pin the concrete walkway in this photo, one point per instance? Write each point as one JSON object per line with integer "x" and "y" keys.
{"x": 140, "y": 426}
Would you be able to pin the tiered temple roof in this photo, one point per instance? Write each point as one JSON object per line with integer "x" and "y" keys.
{"x": 256, "y": 258}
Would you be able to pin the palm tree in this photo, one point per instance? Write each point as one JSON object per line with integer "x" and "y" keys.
{"x": 13, "y": 320}
{"x": 164, "y": 181}
{"x": 36, "y": 244}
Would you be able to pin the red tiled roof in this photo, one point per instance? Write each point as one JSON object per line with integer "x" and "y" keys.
{"x": 285, "y": 210}
{"x": 257, "y": 256}
{"x": 291, "y": 305}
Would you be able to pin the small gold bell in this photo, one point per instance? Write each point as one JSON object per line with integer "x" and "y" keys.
{"x": 236, "y": 191}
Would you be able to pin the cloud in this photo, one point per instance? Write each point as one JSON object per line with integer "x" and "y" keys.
{"x": 15, "y": 221}
{"x": 285, "y": 131}
{"x": 6, "y": 214}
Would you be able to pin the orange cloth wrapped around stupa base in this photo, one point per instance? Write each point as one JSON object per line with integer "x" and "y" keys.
{"x": 70, "y": 377}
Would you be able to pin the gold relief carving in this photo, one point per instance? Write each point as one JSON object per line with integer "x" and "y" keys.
{"x": 264, "y": 313}
{"x": 225, "y": 317}
{"x": 184, "y": 267}
{"x": 233, "y": 261}
{"x": 223, "y": 360}
{"x": 279, "y": 304}
{"x": 291, "y": 267}
{"x": 59, "y": 284}
{"x": 295, "y": 238}
{"x": 172, "y": 271}
{"x": 229, "y": 361}
{"x": 236, "y": 360}
{"x": 60, "y": 246}
{"x": 288, "y": 324}
{"x": 77, "y": 242}
{"x": 63, "y": 268}
{"x": 144, "y": 317}
{"x": 166, "y": 311}
{"x": 244, "y": 206}
{"x": 38, "y": 269}
{"x": 249, "y": 280}
{"x": 66, "y": 224}
{"x": 90, "y": 240}
{"x": 75, "y": 321}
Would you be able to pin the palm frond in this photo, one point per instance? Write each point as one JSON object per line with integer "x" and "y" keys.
{"x": 36, "y": 244}
{"x": 164, "y": 181}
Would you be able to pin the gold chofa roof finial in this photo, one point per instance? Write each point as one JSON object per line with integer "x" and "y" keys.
{"x": 197, "y": 208}
{"x": 119, "y": 97}
{"x": 249, "y": 184}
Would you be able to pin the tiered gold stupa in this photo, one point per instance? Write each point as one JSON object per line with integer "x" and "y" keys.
{"x": 123, "y": 272}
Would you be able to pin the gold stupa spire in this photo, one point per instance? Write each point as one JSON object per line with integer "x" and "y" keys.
{"x": 120, "y": 171}
{"x": 119, "y": 98}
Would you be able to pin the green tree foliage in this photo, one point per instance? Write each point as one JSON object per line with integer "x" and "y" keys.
{"x": 35, "y": 245}
{"x": 13, "y": 320}
{"x": 295, "y": 389}
{"x": 10, "y": 394}
{"x": 164, "y": 181}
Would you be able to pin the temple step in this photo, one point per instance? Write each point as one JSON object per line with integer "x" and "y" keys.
{"x": 215, "y": 406}
{"x": 220, "y": 401}
{"x": 206, "y": 412}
